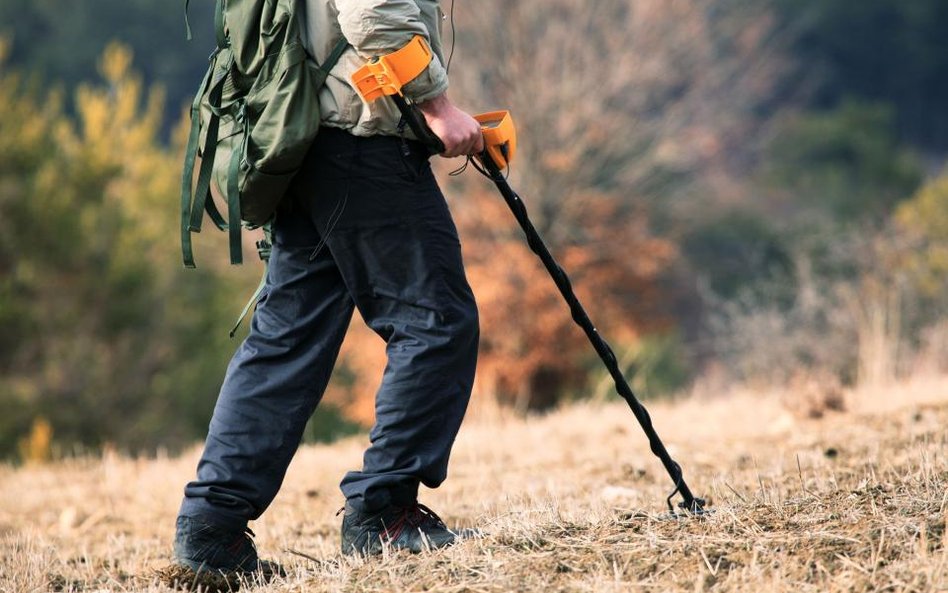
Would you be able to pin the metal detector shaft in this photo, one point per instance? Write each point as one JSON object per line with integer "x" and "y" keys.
{"x": 416, "y": 122}
{"x": 581, "y": 318}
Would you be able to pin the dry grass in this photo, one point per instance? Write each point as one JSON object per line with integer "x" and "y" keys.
{"x": 854, "y": 501}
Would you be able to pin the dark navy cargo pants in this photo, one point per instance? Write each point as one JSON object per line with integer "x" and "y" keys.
{"x": 364, "y": 225}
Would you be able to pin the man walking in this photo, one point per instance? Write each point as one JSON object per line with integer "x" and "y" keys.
{"x": 363, "y": 225}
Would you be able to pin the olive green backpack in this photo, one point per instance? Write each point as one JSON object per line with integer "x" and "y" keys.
{"x": 252, "y": 120}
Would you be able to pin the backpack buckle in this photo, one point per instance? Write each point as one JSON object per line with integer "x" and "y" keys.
{"x": 264, "y": 248}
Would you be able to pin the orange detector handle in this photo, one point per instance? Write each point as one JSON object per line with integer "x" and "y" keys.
{"x": 500, "y": 136}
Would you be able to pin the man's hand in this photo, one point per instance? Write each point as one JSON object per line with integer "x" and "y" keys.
{"x": 460, "y": 133}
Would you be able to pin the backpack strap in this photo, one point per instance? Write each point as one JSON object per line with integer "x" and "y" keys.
{"x": 219, "y": 31}
{"x": 187, "y": 21}
{"x": 202, "y": 194}
{"x": 194, "y": 204}
{"x": 264, "y": 248}
{"x": 187, "y": 178}
{"x": 322, "y": 71}
{"x": 203, "y": 200}
{"x": 233, "y": 199}
{"x": 218, "y": 22}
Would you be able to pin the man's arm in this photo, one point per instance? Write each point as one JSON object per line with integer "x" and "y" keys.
{"x": 379, "y": 27}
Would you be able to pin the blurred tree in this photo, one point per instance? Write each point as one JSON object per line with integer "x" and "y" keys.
{"x": 532, "y": 355}
{"x": 738, "y": 250}
{"x": 651, "y": 104}
{"x": 103, "y": 335}
{"x": 846, "y": 163}
{"x": 631, "y": 117}
{"x": 888, "y": 51}
{"x": 628, "y": 115}
{"x": 37, "y": 446}
{"x": 59, "y": 43}
{"x": 925, "y": 218}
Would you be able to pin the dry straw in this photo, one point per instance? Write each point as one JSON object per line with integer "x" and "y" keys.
{"x": 853, "y": 501}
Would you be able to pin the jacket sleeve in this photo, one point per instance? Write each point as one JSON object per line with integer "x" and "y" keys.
{"x": 378, "y": 27}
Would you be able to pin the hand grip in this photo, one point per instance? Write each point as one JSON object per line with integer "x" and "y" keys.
{"x": 500, "y": 135}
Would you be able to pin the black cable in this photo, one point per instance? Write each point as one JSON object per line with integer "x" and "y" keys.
{"x": 447, "y": 68}
{"x": 480, "y": 169}
{"x": 462, "y": 168}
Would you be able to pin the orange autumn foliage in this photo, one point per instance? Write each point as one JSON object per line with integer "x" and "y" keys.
{"x": 531, "y": 353}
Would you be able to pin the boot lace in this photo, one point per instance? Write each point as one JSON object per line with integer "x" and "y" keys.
{"x": 416, "y": 516}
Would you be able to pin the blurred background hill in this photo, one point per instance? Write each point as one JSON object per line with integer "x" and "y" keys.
{"x": 747, "y": 193}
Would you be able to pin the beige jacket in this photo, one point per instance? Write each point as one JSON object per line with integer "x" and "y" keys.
{"x": 372, "y": 28}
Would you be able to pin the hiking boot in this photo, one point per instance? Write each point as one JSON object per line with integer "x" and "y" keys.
{"x": 215, "y": 558}
{"x": 415, "y": 528}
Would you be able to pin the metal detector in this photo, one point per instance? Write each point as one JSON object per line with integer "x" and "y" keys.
{"x": 385, "y": 77}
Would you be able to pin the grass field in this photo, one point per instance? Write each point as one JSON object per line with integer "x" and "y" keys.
{"x": 852, "y": 501}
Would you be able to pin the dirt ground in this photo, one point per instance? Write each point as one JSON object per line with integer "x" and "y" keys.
{"x": 573, "y": 501}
